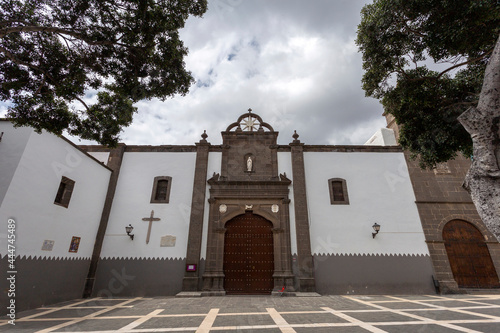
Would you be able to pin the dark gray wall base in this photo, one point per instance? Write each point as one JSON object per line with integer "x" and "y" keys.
{"x": 373, "y": 274}
{"x": 139, "y": 277}
{"x": 41, "y": 282}
{"x": 201, "y": 270}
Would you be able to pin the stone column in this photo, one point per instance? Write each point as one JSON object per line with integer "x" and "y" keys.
{"x": 114, "y": 163}
{"x": 287, "y": 263}
{"x": 213, "y": 277}
{"x": 442, "y": 268}
{"x": 191, "y": 279}
{"x": 304, "y": 257}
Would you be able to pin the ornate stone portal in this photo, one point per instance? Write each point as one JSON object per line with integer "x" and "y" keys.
{"x": 248, "y": 184}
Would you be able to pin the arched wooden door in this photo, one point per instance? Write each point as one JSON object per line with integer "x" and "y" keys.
{"x": 248, "y": 255}
{"x": 469, "y": 256}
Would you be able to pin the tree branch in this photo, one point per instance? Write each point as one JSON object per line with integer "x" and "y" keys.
{"x": 7, "y": 22}
{"x": 452, "y": 67}
{"x": 20, "y": 62}
{"x": 81, "y": 101}
{"x": 400, "y": 68}
{"x": 404, "y": 22}
{"x": 65, "y": 41}
{"x": 41, "y": 86}
{"x": 4, "y": 32}
{"x": 464, "y": 63}
{"x": 460, "y": 104}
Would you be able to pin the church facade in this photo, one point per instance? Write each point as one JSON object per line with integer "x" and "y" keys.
{"x": 249, "y": 216}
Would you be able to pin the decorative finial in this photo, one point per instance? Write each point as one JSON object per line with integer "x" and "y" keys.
{"x": 204, "y": 136}
{"x": 249, "y": 110}
{"x": 295, "y": 136}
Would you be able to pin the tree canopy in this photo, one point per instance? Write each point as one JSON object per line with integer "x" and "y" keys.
{"x": 425, "y": 61}
{"x": 53, "y": 52}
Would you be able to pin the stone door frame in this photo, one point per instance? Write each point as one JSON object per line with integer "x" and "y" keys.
{"x": 229, "y": 199}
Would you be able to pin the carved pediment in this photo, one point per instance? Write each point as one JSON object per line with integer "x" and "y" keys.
{"x": 250, "y": 150}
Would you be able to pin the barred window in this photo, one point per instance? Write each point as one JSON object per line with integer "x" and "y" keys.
{"x": 338, "y": 191}
{"x": 161, "y": 189}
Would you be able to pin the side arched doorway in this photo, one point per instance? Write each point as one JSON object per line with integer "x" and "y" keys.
{"x": 469, "y": 256}
{"x": 248, "y": 255}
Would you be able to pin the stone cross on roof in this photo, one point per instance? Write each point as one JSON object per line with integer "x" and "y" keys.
{"x": 250, "y": 122}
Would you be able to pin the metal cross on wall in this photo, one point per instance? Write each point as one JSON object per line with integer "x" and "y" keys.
{"x": 150, "y": 220}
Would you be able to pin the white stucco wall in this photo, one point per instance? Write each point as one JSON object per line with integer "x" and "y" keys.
{"x": 379, "y": 190}
{"x": 285, "y": 167}
{"x": 31, "y": 193}
{"x": 101, "y": 156}
{"x": 132, "y": 203}
{"x": 12, "y": 146}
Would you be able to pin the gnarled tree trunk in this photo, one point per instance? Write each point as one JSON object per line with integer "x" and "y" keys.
{"x": 483, "y": 123}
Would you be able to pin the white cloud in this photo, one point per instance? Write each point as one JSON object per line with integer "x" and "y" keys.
{"x": 294, "y": 63}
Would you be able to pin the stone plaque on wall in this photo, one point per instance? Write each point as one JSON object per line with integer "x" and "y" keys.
{"x": 442, "y": 168}
{"x": 48, "y": 245}
{"x": 167, "y": 241}
{"x": 275, "y": 208}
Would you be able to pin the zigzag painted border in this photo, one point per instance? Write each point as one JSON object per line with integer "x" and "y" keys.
{"x": 35, "y": 257}
{"x": 370, "y": 255}
{"x": 143, "y": 258}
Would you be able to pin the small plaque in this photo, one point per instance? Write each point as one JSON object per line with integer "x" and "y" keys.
{"x": 48, "y": 245}
{"x": 222, "y": 209}
{"x": 248, "y": 207}
{"x": 191, "y": 268}
{"x": 275, "y": 208}
{"x": 442, "y": 168}
{"x": 75, "y": 244}
{"x": 167, "y": 241}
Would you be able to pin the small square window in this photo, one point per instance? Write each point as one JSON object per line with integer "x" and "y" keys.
{"x": 338, "y": 191}
{"x": 64, "y": 192}
{"x": 161, "y": 189}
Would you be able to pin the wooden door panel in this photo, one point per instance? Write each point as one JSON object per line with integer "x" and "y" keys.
{"x": 469, "y": 257}
{"x": 248, "y": 255}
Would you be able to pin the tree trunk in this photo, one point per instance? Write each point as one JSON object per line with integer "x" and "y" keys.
{"x": 483, "y": 123}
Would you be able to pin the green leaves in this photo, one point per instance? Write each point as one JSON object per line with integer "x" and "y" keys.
{"x": 429, "y": 109}
{"x": 52, "y": 52}
{"x": 400, "y": 39}
{"x": 105, "y": 119}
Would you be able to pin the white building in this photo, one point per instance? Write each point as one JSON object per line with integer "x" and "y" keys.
{"x": 245, "y": 217}
{"x": 34, "y": 168}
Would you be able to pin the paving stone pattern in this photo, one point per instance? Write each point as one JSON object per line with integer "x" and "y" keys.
{"x": 343, "y": 314}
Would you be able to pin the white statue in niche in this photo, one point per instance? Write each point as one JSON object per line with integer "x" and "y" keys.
{"x": 249, "y": 164}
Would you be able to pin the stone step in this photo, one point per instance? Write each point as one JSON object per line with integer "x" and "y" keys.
{"x": 492, "y": 291}
{"x": 186, "y": 294}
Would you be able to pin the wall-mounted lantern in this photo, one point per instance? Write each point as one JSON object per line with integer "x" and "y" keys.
{"x": 129, "y": 229}
{"x": 375, "y": 227}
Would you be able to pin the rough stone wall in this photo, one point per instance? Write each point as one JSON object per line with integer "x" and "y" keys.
{"x": 441, "y": 198}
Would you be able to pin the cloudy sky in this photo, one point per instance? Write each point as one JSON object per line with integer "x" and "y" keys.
{"x": 294, "y": 63}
